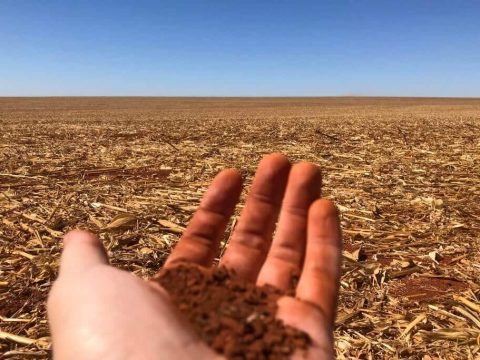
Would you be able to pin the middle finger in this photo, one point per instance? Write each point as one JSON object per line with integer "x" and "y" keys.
{"x": 252, "y": 236}
{"x": 287, "y": 253}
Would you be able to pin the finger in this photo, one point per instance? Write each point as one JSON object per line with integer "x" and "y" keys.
{"x": 320, "y": 276}
{"x": 201, "y": 239}
{"x": 82, "y": 250}
{"x": 285, "y": 258}
{"x": 253, "y": 233}
{"x": 306, "y": 317}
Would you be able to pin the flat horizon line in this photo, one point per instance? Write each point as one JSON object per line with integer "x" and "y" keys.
{"x": 241, "y": 96}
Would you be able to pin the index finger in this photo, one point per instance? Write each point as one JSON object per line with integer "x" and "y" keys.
{"x": 201, "y": 239}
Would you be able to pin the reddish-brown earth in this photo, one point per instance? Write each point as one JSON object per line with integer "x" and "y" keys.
{"x": 425, "y": 289}
{"x": 236, "y": 319}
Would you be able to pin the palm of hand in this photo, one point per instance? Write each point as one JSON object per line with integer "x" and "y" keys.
{"x": 97, "y": 311}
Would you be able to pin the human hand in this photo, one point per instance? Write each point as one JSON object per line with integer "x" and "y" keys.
{"x": 307, "y": 242}
{"x": 97, "y": 311}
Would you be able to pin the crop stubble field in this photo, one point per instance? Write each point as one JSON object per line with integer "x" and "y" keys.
{"x": 405, "y": 174}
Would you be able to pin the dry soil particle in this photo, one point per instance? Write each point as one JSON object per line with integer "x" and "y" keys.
{"x": 236, "y": 319}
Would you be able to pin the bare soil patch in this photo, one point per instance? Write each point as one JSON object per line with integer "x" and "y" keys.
{"x": 427, "y": 288}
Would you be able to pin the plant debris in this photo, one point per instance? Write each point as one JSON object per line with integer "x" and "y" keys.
{"x": 405, "y": 174}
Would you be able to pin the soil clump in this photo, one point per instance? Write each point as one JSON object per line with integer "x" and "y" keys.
{"x": 235, "y": 319}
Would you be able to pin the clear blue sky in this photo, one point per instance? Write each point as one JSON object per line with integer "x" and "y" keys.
{"x": 239, "y": 47}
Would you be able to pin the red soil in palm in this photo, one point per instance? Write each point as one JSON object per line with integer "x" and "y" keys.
{"x": 235, "y": 319}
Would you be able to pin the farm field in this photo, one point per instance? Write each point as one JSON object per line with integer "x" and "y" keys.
{"x": 404, "y": 172}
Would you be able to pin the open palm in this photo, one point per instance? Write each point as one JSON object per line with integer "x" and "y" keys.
{"x": 97, "y": 311}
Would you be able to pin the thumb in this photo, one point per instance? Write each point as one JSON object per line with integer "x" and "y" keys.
{"x": 81, "y": 251}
